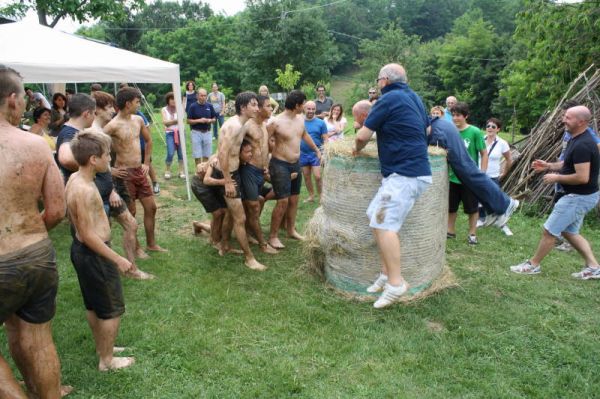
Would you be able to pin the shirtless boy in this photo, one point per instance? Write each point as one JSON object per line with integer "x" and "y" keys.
{"x": 112, "y": 186}
{"x": 246, "y": 107}
{"x": 288, "y": 130}
{"x": 28, "y": 275}
{"x": 125, "y": 130}
{"x": 252, "y": 173}
{"x": 96, "y": 264}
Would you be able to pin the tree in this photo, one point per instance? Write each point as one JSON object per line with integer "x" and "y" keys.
{"x": 287, "y": 79}
{"x": 553, "y": 44}
{"x": 470, "y": 60}
{"x": 50, "y": 12}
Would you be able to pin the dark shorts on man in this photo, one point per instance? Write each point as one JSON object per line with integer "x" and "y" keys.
{"x": 281, "y": 172}
{"x": 253, "y": 181}
{"x": 209, "y": 196}
{"x": 460, "y": 193}
{"x": 121, "y": 189}
{"x": 266, "y": 190}
{"x": 137, "y": 184}
{"x": 29, "y": 283}
{"x": 99, "y": 281}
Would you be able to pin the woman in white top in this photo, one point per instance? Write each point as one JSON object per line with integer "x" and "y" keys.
{"x": 336, "y": 123}
{"x": 169, "y": 117}
{"x": 497, "y": 149}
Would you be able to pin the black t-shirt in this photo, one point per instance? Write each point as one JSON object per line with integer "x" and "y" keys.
{"x": 581, "y": 149}
{"x": 65, "y": 135}
{"x": 103, "y": 180}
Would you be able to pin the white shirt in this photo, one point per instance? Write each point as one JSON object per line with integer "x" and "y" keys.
{"x": 495, "y": 157}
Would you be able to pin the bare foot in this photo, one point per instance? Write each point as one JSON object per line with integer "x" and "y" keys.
{"x": 275, "y": 243}
{"x": 65, "y": 390}
{"x": 309, "y": 199}
{"x": 296, "y": 236}
{"x": 255, "y": 265}
{"x": 200, "y": 227}
{"x": 117, "y": 363}
{"x": 141, "y": 254}
{"x": 157, "y": 248}
{"x": 140, "y": 275}
{"x": 266, "y": 248}
{"x": 223, "y": 251}
{"x": 252, "y": 240}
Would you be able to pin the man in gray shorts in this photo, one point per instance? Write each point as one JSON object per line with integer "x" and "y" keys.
{"x": 28, "y": 275}
{"x": 400, "y": 120}
{"x": 200, "y": 115}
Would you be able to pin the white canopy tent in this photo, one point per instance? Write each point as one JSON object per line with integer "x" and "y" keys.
{"x": 42, "y": 54}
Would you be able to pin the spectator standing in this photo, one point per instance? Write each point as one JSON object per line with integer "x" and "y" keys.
{"x": 59, "y": 115}
{"x": 190, "y": 95}
{"x": 41, "y": 119}
{"x": 450, "y": 102}
{"x": 217, "y": 100}
{"x": 264, "y": 91}
{"x": 373, "y": 96}
{"x": 497, "y": 148}
{"x": 309, "y": 161}
{"x": 475, "y": 144}
{"x": 200, "y": 115}
{"x": 336, "y": 123}
{"x": 323, "y": 103}
{"x": 169, "y": 116}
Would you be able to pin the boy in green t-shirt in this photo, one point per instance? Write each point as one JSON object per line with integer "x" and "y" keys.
{"x": 475, "y": 144}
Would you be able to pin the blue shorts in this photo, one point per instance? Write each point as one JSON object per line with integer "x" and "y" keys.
{"x": 201, "y": 144}
{"x": 568, "y": 213}
{"x": 394, "y": 200}
{"x": 252, "y": 182}
{"x": 309, "y": 159}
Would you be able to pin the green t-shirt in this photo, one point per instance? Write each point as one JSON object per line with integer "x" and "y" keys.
{"x": 474, "y": 143}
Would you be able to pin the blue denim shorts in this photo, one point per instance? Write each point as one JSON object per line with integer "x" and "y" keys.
{"x": 394, "y": 200}
{"x": 568, "y": 213}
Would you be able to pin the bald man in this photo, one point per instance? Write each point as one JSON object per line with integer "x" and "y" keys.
{"x": 200, "y": 115}
{"x": 451, "y": 101}
{"x": 577, "y": 173}
{"x": 310, "y": 163}
{"x": 401, "y": 121}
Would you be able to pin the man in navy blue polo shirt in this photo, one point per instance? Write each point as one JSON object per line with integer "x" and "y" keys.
{"x": 200, "y": 115}
{"x": 400, "y": 120}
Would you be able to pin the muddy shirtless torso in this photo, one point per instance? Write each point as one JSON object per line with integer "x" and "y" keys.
{"x": 287, "y": 130}
{"x": 256, "y": 133}
{"x": 27, "y": 173}
{"x": 125, "y": 132}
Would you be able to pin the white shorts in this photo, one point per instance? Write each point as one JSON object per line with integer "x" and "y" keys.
{"x": 394, "y": 200}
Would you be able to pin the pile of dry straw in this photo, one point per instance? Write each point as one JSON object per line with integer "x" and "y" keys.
{"x": 340, "y": 246}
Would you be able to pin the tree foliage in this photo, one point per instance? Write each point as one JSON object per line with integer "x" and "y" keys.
{"x": 50, "y": 12}
{"x": 287, "y": 78}
{"x": 552, "y": 44}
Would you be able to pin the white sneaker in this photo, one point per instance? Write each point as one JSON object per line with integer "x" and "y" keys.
{"x": 564, "y": 246}
{"x": 391, "y": 294}
{"x": 506, "y": 230}
{"x": 378, "y": 285}
{"x": 503, "y": 219}
{"x": 480, "y": 223}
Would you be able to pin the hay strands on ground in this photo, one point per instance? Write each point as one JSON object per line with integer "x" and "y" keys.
{"x": 545, "y": 141}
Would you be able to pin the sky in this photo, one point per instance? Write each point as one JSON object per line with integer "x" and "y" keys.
{"x": 228, "y": 7}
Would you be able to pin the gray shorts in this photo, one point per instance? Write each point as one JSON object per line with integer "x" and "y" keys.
{"x": 201, "y": 144}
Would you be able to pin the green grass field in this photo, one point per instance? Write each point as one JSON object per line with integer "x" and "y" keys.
{"x": 208, "y": 327}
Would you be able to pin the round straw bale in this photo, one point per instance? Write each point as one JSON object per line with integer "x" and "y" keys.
{"x": 339, "y": 231}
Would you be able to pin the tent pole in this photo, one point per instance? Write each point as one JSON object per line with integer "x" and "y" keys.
{"x": 179, "y": 106}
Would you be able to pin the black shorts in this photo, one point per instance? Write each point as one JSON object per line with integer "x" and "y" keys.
{"x": 253, "y": 181}
{"x": 460, "y": 193}
{"x": 283, "y": 185}
{"x": 121, "y": 189}
{"x": 235, "y": 176}
{"x": 28, "y": 283}
{"x": 265, "y": 190}
{"x": 99, "y": 281}
{"x": 209, "y": 196}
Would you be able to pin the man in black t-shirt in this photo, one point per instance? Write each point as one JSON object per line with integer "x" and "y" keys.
{"x": 578, "y": 175}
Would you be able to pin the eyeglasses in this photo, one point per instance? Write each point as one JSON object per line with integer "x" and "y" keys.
{"x": 490, "y": 126}
{"x": 371, "y": 92}
{"x": 378, "y": 79}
